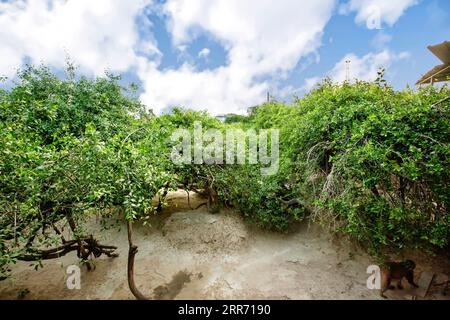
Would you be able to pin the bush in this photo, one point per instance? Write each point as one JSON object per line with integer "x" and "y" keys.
{"x": 373, "y": 161}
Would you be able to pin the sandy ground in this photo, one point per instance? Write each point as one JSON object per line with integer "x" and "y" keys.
{"x": 192, "y": 254}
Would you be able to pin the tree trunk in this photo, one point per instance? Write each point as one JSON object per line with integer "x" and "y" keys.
{"x": 132, "y": 250}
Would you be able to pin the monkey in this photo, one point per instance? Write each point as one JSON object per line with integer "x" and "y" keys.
{"x": 397, "y": 271}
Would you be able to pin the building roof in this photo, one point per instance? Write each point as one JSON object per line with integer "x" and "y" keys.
{"x": 440, "y": 72}
{"x": 442, "y": 51}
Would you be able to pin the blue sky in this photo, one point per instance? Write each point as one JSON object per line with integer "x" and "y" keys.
{"x": 224, "y": 55}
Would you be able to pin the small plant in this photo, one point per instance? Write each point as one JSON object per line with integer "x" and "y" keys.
{"x": 22, "y": 293}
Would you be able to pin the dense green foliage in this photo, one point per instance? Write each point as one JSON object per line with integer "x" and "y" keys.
{"x": 372, "y": 161}
{"x": 369, "y": 161}
{"x": 69, "y": 146}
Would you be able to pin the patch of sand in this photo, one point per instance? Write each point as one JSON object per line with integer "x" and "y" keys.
{"x": 192, "y": 254}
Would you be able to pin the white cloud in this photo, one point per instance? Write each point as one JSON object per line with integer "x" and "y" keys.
{"x": 97, "y": 35}
{"x": 259, "y": 34}
{"x": 9, "y": 61}
{"x": 374, "y": 13}
{"x": 310, "y": 83}
{"x": 380, "y": 40}
{"x": 366, "y": 67}
{"x": 360, "y": 68}
{"x": 218, "y": 91}
{"x": 182, "y": 48}
{"x": 204, "y": 53}
{"x": 263, "y": 39}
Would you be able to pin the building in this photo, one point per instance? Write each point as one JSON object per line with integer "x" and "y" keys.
{"x": 440, "y": 72}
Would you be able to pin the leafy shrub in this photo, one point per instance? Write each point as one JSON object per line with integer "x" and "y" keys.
{"x": 373, "y": 160}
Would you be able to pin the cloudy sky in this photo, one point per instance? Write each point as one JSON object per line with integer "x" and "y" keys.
{"x": 224, "y": 55}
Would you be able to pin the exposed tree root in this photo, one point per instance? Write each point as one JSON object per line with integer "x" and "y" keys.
{"x": 90, "y": 246}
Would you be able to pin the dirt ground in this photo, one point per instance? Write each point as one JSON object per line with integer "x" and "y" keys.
{"x": 192, "y": 254}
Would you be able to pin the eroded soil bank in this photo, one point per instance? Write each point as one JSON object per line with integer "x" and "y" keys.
{"x": 192, "y": 254}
